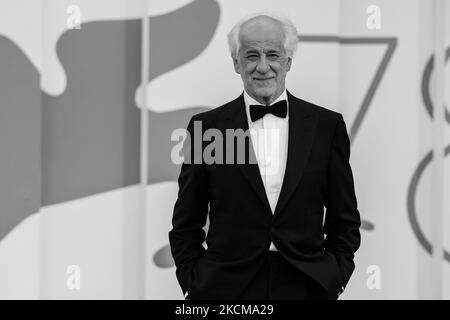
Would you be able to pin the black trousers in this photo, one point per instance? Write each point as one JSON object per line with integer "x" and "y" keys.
{"x": 279, "y": 280}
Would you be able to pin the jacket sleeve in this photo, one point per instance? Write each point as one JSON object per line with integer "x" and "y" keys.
{"x": 190, "y": 211}
{"x": 342, "y": 220}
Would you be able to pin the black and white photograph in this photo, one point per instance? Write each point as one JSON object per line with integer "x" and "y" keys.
{"x": 254, "y": 150}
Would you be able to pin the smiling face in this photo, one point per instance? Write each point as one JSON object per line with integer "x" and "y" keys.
{"x": 262, "y": 60}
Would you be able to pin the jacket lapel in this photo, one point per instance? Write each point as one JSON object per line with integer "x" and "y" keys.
{"x": 237, "y": 119}
{"x": 302, "y": 128}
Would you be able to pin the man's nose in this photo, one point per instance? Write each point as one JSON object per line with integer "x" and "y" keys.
{"x": 262, "y": 66}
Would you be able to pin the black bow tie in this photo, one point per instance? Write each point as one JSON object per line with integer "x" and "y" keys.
{"x": 278, "y": 109}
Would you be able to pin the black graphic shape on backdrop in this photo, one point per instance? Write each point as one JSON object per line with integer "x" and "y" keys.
{"x": 391, "y": 43}
{"x": 90, "y": 133}
{"x": 426, "y": 81}
{"x": 413, "y": 185}
{"x": 411, "y": 200}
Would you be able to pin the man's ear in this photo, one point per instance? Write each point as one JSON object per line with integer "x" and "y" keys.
{"x": 236, "y": 64}
{"x": 289, "y": 63}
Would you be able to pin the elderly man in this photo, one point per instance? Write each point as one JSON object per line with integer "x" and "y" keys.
{"x": 268, "y": 237}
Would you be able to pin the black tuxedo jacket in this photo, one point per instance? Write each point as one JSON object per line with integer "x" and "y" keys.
{"x": 241, "y": 223}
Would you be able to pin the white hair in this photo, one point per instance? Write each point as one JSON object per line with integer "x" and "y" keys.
{"x": 289, "y": 29}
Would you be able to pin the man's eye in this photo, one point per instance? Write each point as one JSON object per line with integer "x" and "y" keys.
{"x": 252, "y": 56}
{"x": 273, "y": 55}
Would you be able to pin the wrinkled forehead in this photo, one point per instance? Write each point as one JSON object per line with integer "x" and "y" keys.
{"x": 262, "y": 32}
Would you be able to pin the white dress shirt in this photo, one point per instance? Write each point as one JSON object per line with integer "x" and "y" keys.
{"x": 270, "y": 142}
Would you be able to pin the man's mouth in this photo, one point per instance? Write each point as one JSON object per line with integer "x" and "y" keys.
{"x": 262, "y": 79}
